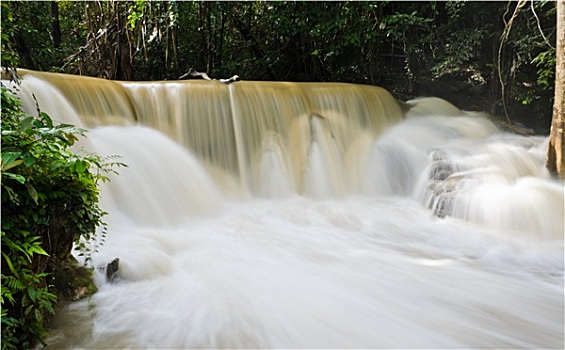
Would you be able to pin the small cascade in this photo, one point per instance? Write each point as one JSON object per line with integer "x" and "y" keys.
{"x": 324, "y": 171}
{"x": 162, "y": 185}
{"x": 195, "y": 114}
{"x": 501, "y": 183}
{"x": 274, "y": 179}
{"x": 39, "y": 95}
{"x": 96, "y": 101}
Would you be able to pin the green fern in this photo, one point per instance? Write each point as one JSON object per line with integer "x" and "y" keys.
{"x": 14, "y": 285}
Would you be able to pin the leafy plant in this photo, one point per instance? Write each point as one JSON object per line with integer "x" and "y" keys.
{"x": 49, "y": 202}
{"x": 545, "y": 62}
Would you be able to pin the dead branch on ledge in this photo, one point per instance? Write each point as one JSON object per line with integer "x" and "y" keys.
{"x": 194, "y": 74}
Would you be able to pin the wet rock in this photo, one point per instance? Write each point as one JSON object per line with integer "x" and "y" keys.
{"x": 442, "y": 184}
{"x": 70, "y": 280}
{"x": 112, "y": 269}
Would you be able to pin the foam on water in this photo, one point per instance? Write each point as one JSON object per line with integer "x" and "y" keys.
{"x": 362, "y": 271}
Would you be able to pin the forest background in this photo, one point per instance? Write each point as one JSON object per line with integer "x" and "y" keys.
{"x": 493, "y": 56}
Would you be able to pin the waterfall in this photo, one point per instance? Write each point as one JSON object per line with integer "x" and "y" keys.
{"x": 231, "y": 127}
{"x": 310, "y": 215}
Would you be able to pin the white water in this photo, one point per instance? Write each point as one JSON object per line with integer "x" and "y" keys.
{"x": 358, "y": 260}
{"x": 371, "y": 271}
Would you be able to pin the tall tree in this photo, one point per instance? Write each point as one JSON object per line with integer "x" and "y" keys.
{"x": 56, "y": 26}
{"x": 555, "y": 149}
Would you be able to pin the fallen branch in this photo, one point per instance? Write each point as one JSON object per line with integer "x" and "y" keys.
{"x": 194, "y": 74}
{"x": 230, "y": 80}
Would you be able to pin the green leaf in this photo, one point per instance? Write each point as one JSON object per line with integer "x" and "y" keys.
{"x": 71, "y": 138}
{"x": 28, "y": 310}
{"x": 47, "y": 119}
{"x": 32, "y": 292}
{"x": 32, "y": 192}
{"x": 26, "y": 123}
{"x": 38, "y": 316}
{"x": 10, "y": 265}
{"x": 36, "y": 248}
{"x": 10, "y": 160}
{"x": 28, "y": 159}
{"x": 16, "y": 177}
{"x": 81, "y": 166}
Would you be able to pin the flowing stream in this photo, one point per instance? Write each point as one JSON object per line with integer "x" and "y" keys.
{"x": 284, "y": 215}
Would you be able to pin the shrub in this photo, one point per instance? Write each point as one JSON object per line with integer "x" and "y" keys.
{"x": 49, "y": 202}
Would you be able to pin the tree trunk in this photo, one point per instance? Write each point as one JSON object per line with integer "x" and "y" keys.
{"x": 555, "y": 149}
{"x": 55, "y": 24}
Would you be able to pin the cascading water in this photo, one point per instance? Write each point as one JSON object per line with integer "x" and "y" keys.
{"x": 279, "y": 215}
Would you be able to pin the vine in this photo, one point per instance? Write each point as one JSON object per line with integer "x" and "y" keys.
{"x": 503, "y": 40}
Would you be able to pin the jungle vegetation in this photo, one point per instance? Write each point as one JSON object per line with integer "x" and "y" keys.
{"x": 50, "y": 202}
{"x": 494, "y": 56}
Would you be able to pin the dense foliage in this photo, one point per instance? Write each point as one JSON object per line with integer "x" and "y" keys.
{"x": 49, "y": 202}
{"x": 461, "y": 50}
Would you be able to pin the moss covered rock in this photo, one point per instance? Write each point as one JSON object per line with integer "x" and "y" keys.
{"x": 70, "y": 280}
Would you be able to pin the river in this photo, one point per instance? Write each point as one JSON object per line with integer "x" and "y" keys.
{"x": 282, "y": 215}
